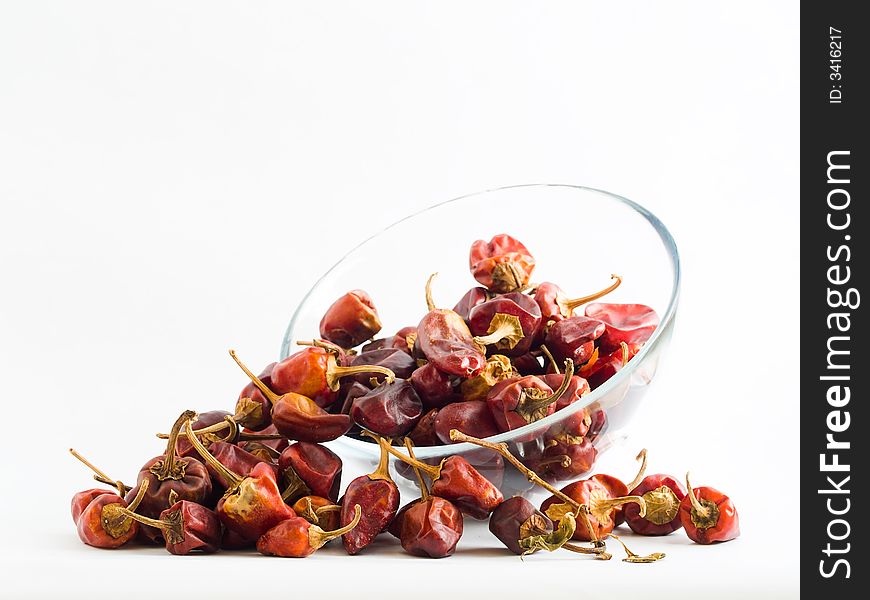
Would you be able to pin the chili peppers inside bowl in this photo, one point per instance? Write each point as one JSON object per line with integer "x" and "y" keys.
{"x": 492, "y": 252}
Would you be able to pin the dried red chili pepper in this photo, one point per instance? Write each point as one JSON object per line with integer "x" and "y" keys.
{"x": 317, "y": 466}
{"x": 528, "y": 364}
{"x": 435, "y": 388}
{"x": 253, "y": 409}
{"x": 397, "y": 361}
{"x": 473, "y": 416}
{"x": 97, "y": 515}
{"x": 565, "y": 457}
{"x": 269, "y": 437}
{"x": 574, "y": 338}
{"x": 297, "y": 538}
{"x": 628, "y": 323}
{"x": 378, "y": 494}
{"x": 187, "y": 527}
{"x": 252, "y": 504}
{"x": 502, "y": 265}
{"x": 456, "y": 480}
{"x": 601, "y": 368}
{"x": 235, "y": 459}
{"x": 598, "y": 424}
{"x": 662, "y": 494}
{"x": 402, "y": 340}
{"x": 186, "y": 478}
{"x": 446, "y": 341}
{"x": 391, "y": 409}
{"x": 297, "y": 416}
{"x": 431, "y": 526}
{"x": 708, "y": 515}
{"x": 555, "y": 306}
{"x": 577, "y": 424}
{"x": 517, "y": 518}
{"x": 523, "y": 400}
{"x": 211, "y": 426}
{"x": 350, "y": 320}
{"x": 618, "y": 488}
{"x": 315, "y": 372}
{"x": 319, "y": 511}
{"x": 509, "y": 323}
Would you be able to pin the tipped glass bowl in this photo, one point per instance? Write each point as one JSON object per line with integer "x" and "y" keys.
{"x": 578, "y": 236}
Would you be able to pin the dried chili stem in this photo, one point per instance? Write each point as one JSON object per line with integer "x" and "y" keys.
{"x": 430, "y": 304}
{"x": 269, "y": 394}
{"x": 550, "y": 358}
{"x": 335, "y": 372}
{"x": 641, "y": 456}
{"x": 570, "y": 305}
{"x": 432, "y": 471}
{"x": 232, "y": 478}
{"x": 424, "y": 489}
{"x": 526, "y": 407}
{"x": 317, "y": 537}
{"x": 99, "y": 475}
{"x": 383, "y": 469}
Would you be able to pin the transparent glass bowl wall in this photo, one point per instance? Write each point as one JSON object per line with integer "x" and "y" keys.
{"x": 578, "y": 236}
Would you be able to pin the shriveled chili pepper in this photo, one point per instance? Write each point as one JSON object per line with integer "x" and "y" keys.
{"x": 517, "y": 518}
{"x": 297, "y": 538}
{"x": 212, "y": 426}
{"x": 235, "y": 459}
{"x": 299, "y": 417}
{"x": 662, "y": 494}
{"x": 430, "y": 527}
{"x": 316, "y": 465}
{"x": 523, "y": 400}
{"x": 319, "y": 511}
{"x": 498, "y": 368}
{"x": 186, "y": 477}
{"x": 566, "y": 457}
{"x": 315, "y": 372}
{"x": 378, "y": 494}
{"x": 403, "y": 340}
{"x": 187, "y": 527}
{"x": 528, "y": 364}
{"x": 446, "y": 341}
{"x": 556, "y": 306}
{"x": 252, "y": 504}
{"x": 628, "y": 323}
{"x": 509, "y": 323}
{"x": 473, "y": 416}
{"x": 456, "y": 480}
{"x": 473, "y": 297}
{"x": 574, "y": 338}
{"x": 391, "y": 409}
{"x": 254, "y": 443}
{"x": 396, "y": 360}
{"x": 435, "y": 387}
{"x": 708, "y": 515}
{"x": 502, "y": 265}
{"x": 577, "y": 424}
{"x": 96, "y": 513}
{"x": 348, "y": 393}
{"x": 350, "y": 320}
{"x": 598, "y": 423}
{"x": 424, "y": 433}
{"x": 253, "y": 409}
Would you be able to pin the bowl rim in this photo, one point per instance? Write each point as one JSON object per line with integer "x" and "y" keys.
{"x": 624, "y": 374}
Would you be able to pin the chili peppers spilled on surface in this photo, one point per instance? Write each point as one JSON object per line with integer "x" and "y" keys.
{"x": 509, "y": 353}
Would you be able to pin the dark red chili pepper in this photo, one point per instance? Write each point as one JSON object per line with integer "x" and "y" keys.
{"x": 601, "y": 506}
{"x": 186, "y": 477}
{"x": 203, "y": 421}
{"x": 473, "y": 416}
{"x": 574, "y": 338}
{"x": 319, "y": 511}
{"x": 424, "y": 433}
{"x": 446, "y": 342}
{"x": 456, "y": 480}
{"x": 523, "y": 400}
{"x": 403, "y": 340}
{"x": 435, "y": 388}
{"x": 565, "y": 457}
{"x": 430, "y": 526}
{"x": 517, "y": 518}
{"x": 378, "y": 494}
{"x": 497, "y": 368}
{"x": 391, "y": 409}
{"x": 235, "y": 459}
{"x": 399, "y": 363}
{"x": 528, "y": 364}
{"x": 252, "y": 504}
{"x": 708, "y": 515}
{"x": 598, "y": 424}
{"x": 351, "y": 320}
{"x": 502, "y": 265}
{"x": 556, "y": 306}
{"x": 276, "y": 445}
{"x": 253, "y": 409}
{"x": 297, "y": 538}
{"x": 576, "y": 425}
{"x": 473, "y": 297}
{"x": 299, "y": 417}
{"x": 509, "y": 323}
{"x": 317, "y": 466}
{"x": 629, "y": 323}
{"x": 662, "y": 494}
{"x": 187, "y": 527}
{"x": 348, "y": 393}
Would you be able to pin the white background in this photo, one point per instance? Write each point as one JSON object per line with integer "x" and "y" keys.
{"x": 174, "y": 176}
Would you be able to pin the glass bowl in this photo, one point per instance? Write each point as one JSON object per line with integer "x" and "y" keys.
{"x": 578, "y": 236}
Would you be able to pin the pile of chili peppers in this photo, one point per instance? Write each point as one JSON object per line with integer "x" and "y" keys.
{"x": 508, "y": 354}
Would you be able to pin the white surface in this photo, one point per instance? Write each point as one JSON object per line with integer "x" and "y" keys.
{"x": 173, "y": 178}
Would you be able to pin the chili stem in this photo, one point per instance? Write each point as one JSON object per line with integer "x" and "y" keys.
{"x": 570, "y": 305}
{"x": 550, "y": 358}
{"x": 424, "y": 490}
{"x": 232, "y": 478}
{"x": 272, "y": 396}
{"x": 641, "y": 456}
{"x": 432, "y": 471}
{"x": 430, "y": 304}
